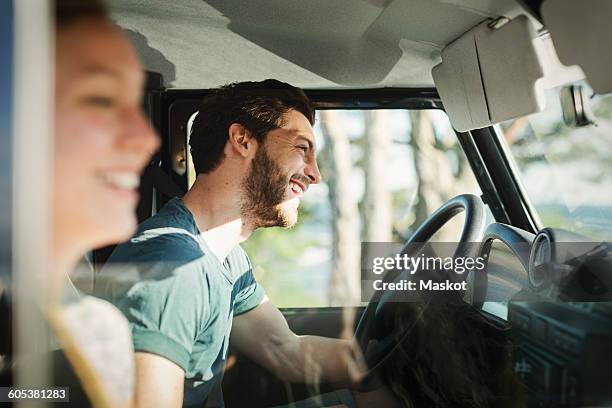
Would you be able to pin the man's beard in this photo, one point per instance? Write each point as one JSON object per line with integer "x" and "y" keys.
{"x": 264, "y": 190}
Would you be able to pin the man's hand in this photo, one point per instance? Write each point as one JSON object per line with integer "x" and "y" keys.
{"x": 264, "y": 336}
{"x": 159, "y": 382}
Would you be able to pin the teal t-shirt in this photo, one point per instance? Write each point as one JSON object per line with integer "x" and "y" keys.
{"x": 178, "y": 297}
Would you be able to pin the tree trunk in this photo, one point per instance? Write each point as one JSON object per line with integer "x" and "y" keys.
{"x": 377, "y": 208}
{"x": 345, "y": 276}
{"x": 434, "y": 173}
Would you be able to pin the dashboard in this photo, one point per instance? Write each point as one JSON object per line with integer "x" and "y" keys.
{"x": 556, "y": 296}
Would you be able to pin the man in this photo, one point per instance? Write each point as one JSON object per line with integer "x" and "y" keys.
{"x": 253, "y": 150}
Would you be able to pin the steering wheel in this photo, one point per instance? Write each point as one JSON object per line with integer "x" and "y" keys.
{"x": 375, "y": 349}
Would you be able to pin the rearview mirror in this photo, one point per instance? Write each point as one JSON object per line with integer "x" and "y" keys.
{"x": 575, "y": 106}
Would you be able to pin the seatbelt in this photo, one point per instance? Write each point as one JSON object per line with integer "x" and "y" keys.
{"x": 154, "y": 180}
{"x": 162, "y": 181}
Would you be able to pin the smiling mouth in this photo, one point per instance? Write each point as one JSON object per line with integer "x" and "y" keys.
{"x": 297, "y": 188}
{"x": 120, "y": 180}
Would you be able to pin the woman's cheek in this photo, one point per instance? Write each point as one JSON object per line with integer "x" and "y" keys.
{"x": 82, "y": 148}
{"x": 99, "y": 131}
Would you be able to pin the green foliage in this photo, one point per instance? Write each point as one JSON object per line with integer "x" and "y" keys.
{"x": 275, "y": 255}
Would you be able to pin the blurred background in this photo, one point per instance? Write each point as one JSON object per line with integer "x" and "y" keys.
{"x": 384, "y": 171}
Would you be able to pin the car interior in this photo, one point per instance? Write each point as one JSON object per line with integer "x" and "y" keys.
{"x": 487, "y": 68}
{"x": 483, "y": 64}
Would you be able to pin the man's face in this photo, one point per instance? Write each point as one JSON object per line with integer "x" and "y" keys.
{"x": 283, "y": 168}
{"x": 102, "y": 140}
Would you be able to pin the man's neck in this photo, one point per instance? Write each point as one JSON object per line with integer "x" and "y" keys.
{"x": 216, "y": 209}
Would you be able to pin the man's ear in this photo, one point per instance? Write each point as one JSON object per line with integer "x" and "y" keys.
{"x": 240, "y": 139}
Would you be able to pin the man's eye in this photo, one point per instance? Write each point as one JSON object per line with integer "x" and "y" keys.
{"x": 100, "y": 101}
{"x": 304, "y": 148}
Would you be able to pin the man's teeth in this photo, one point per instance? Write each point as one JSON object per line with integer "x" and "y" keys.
{"x": 122, "y": 180}
{"x": 296, "y": 188}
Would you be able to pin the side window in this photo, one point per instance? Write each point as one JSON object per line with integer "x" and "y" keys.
{"x": 384, "y": 172}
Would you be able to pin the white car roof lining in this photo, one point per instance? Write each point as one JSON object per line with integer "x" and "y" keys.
{"x": 199, "y": 44}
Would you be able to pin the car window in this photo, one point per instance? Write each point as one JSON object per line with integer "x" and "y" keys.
{"x": 384, "y": 172}
{"x": 566, "y": 170}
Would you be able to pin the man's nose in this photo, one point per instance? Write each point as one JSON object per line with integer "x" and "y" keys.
{"x": 139, "y": 136}
{"x": 312, "y": 172}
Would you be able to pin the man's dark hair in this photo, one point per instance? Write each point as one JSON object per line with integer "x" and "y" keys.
{"x": 258, "y": 106}
{"x": 70, "y": 11}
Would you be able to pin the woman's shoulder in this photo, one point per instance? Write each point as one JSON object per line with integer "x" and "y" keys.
{"x": 98, "y": 338}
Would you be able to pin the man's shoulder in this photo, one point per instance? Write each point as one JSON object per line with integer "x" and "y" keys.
{"x": 240, "y": 252}
{"x": 238, "y": 258}
{"x": 173, "y": 216}
{"x": 158, "y": 244}
{"x": 240, "y": 267}
{"x": 166, "y": 236}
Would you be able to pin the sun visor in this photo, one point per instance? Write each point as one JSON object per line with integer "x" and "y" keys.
{"x": 489, "y": 75}
{"x": 460, "y": 84}
{"x": 582, "y": 34}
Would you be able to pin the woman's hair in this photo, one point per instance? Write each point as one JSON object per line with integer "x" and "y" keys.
{"x": 449, "y": 355}
{"x": 70, "y": 11}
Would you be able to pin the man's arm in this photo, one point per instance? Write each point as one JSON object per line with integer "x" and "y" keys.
{"x": 159, "y": 382}
{"x": 264, "y": 336}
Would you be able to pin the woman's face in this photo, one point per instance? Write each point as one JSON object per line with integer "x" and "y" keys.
{"x": 102, "y": 139}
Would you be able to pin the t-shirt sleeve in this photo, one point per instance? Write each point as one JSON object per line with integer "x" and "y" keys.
{"x": 250, "y": 293}
{"x": 167, "y": 313}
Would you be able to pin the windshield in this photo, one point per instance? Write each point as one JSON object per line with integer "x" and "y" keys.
{"x": 384, "y": 171}
{"x": 566, "y": 170}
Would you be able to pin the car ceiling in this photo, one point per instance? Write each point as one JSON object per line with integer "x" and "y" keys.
{"x": 199, "y": 44}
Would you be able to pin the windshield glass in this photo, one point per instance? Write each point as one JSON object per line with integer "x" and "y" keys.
{"x": 566, "y": 170}
{"x": 384, "y": 171}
